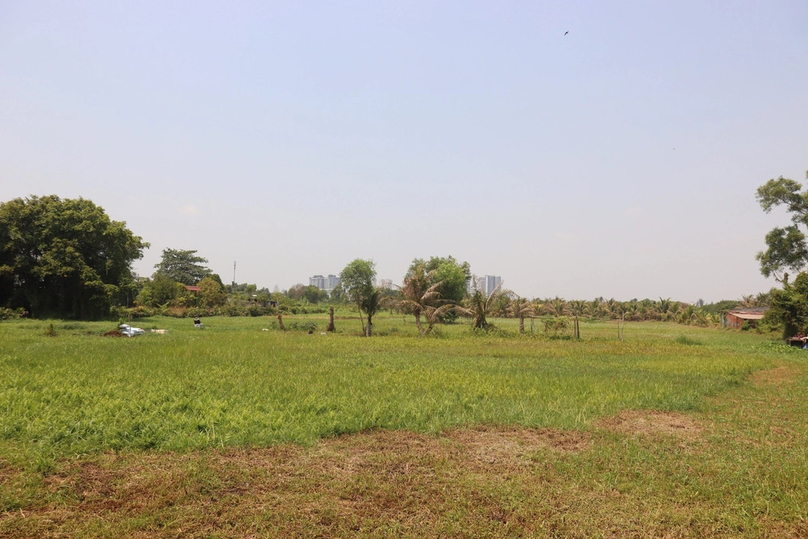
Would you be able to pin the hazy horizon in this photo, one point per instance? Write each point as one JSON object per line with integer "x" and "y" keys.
{"x": 575, "y": 149}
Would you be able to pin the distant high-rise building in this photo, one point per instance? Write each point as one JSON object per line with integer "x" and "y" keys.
{"x": 324, "y": 283}
{"x": 491, "y": 283}
{"x": 318, "y": 281}
{"x": 333, "y": 282}
{"x": 386, "y": 284}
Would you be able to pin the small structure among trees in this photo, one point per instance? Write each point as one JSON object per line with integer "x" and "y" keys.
{"x": 738, "y": 317}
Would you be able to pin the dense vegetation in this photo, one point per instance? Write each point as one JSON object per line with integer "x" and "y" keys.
{"x": 64, "y": 258}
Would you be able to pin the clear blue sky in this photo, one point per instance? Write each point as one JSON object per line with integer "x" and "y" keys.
{"x": 619, "y": 159}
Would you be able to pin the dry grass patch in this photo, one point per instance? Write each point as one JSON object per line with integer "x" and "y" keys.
{"x": 773, "y": 377}
{"x": 510, "y": 445}
{"x": 654, "y": 423}
{"x": 398, "y": 480}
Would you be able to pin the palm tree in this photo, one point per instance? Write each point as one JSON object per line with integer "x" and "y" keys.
{"x": 371, "y": 304}
{"x": 556, "y": 306}
{"x": 421, "y": 298}
{"x": 520, "y": 308}
{"x": 480, "y": 306}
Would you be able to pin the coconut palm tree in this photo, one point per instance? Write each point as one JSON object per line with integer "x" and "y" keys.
{"x": 479, "y": 306}
{"x": 520, "y": 308}
{"x": 372, "y": 304}
{"x": 556, "y": 306}
{"x": 422, "y": 298}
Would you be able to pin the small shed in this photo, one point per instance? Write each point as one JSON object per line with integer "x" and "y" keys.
{"x": 736, "y": 317}
{"x": 193, "y": 288}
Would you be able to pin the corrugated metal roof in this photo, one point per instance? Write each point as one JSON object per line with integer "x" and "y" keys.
{"x": 751, "y": 314}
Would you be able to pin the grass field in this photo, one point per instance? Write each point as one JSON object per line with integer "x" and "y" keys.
{"x": 236, "y": 431}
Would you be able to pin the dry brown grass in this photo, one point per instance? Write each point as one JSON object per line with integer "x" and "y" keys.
{"x": 652, "y": 423}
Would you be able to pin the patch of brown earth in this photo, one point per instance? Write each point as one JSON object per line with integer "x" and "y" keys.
{"x": 780, "y": 375}
{"x": 650, "y": 422}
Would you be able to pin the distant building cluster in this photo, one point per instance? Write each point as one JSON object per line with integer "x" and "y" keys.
{"x": 486, "y": 284}
{"x": 324, "y": 283}
{"x": 386, "y": 284}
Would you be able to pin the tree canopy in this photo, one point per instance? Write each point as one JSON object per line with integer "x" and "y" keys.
{"x": 787, "y": 250}
{"x": 452, "y": 275}
{"x": 64, "y": 257}
{"x": 356, "y": 282}
{"x": 183, "y": 266}
{"x": 787, "y": 247}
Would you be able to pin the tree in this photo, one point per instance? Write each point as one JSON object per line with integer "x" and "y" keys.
{"x": 479, "y": 306}
{"x": 787, "y": 250}
{"x": 787, "y": 247}
{"x": 64, "y": 257}
{"x": 296, "y": 292}
{"x": 211, "y": 293}
{"x": 789, "y": 306}
{"x": 520, "y": 308}
{"x": 312, "y": 294}
{"x": 356, "y": 282}
{"x": 159, "y": 290}
{"x": 420, "y": 297}
{"x": 452, "y": 275}
{"x": 183, "y": 266}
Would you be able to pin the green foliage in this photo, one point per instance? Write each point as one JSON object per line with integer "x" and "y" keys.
{"x": 789, "y": 306}
{"x": 183, "y": 266}
{"x": 211, "y": 293}
{"x": 160, "y": 290}
{"x": 452, "y": 275}
{"x": 64, "y": 257}
{"x": 356, "y": 281}
{"x": 787, "y": 247}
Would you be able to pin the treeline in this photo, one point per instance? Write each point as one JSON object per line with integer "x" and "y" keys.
{"x": 67, "y": 259}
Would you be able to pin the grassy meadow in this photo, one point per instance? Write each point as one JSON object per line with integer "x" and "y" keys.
{"x": 240, "y": 429}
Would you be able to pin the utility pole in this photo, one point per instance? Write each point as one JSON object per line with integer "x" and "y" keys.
{"x": 234, "y": 276}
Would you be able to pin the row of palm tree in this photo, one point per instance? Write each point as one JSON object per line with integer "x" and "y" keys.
{"x": 420, "y": 296}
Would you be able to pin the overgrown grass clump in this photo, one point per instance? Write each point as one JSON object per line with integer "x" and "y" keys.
{"x": 65, "y": 390}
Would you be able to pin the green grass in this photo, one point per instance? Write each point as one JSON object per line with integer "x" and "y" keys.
{"x": 159, "y": 435}
{"x": 233, "y": 384}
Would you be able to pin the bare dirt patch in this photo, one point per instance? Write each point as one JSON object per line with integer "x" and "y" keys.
{"x": 771, "y": 377}
{"x": 650, "y": 422}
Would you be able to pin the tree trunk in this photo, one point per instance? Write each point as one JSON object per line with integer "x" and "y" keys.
{"x": 418, "y": 321}
{"x": 280, "y": 322}
{"x": 521, "y": 323}
{"x": 367, "y": 328}
{"x": 330, "y": 320}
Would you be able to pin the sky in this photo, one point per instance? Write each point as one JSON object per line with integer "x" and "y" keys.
{"x": 576, "y": 149}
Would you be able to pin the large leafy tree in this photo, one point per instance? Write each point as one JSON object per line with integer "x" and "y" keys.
{"x": 787, "y": 250}
{"x": 183, "y": 266}
{"x": 787, "y": 246}
{"x": 64, "y": 257}
{"x": 356, "y": 282}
